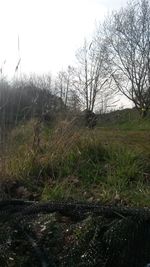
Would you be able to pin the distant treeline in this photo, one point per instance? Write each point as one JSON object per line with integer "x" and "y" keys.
{"x": 27, "y": 98}
{"x": 24, "y": 100}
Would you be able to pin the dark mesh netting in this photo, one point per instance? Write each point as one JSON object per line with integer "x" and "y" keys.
{"x": 73, "y": 234}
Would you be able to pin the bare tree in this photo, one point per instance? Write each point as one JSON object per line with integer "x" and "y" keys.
{"x": 63, "y": 85}
{"x": 127, "y": 34}
{"x": 74, "y": 102}
{"x": 92, "y": 79}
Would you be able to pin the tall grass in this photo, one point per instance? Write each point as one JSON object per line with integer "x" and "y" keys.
{"x": 76, "y": 164}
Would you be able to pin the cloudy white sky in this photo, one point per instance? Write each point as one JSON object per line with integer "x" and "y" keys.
{"x": 49, "y": 31}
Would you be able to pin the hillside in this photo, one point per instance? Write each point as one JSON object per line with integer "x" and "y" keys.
{"x": 126, "y": 119}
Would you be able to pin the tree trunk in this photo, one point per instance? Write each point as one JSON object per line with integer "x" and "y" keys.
{"x": 143, "y": 112}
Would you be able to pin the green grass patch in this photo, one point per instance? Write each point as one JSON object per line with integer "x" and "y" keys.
{"x": 101, "y": 165}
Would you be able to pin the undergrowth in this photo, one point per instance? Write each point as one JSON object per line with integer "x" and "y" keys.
{"x": 68, "y": 163}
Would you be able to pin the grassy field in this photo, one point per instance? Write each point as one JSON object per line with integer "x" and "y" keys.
{"x": 107, "y": 164}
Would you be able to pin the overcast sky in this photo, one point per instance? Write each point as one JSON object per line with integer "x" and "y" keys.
{"x": 50, "y": 31}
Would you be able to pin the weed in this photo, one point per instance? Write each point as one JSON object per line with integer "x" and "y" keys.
{"x": 82, "y": 164}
